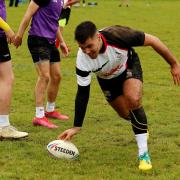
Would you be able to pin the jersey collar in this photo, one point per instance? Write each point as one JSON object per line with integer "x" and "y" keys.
{"x": 104, "y": 45}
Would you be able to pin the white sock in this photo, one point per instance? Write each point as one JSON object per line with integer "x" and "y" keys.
{"x": 141, "y": 140}
{"x": 50, "y": 106}
{"x": 39, "y": 112}
{"x": 4, "y": 120}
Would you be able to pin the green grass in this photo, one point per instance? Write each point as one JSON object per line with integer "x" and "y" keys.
{"x": 106, "y": 144}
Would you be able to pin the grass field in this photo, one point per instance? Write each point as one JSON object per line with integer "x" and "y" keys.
{"x": 106, "y": 144}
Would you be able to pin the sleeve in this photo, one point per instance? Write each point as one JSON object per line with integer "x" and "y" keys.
{"x": 125, "y": 36}
{"x": 82, "y": 96}
{"x": 42, "y": 3}
{"x": 83, "y": 77}
{"x": 81, "y": 102}
{"x": 134, "y": 37}
{"x": 82, "y": 71}
{"x": 4, "y": 25}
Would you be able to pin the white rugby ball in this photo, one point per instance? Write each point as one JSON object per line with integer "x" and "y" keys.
{"x": 63, "y": 149}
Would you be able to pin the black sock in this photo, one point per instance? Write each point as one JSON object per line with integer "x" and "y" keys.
{"x": 138, "y": 121}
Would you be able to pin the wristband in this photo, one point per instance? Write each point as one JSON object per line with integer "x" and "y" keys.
{"x": 4, "y": 25}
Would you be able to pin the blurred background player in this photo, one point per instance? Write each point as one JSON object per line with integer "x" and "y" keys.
{"x": 78, "y": 4}
{"x": 124, "y": 3}
{"x": 11, "y": 2}
{"x": 41, "y": 43}
{"x": 6, "y": 78}
{"x": 65, "y": 15}
{"x": 84, "y": 3}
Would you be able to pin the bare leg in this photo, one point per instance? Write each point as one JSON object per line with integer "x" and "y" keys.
{"x": 55, "y": 78}
{"x": 6, "y": 83}
{"x": 132, "y": 90}
{"x": 16, "y": 3}
{"x": 131, "y": 98}
{"x": 52, "y": 92}
{"x": 120, "y": 106}
{"x": 11, "y": 3}
{"x": 129, "y": 105}
{"x": 43, "y": 70}
{"x": 124, "y": 2}
{"x": 42, "y": 82}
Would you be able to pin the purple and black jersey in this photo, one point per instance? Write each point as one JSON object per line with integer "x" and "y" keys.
{"x": 45, "y": 20}
{"x": 2, "y": 14}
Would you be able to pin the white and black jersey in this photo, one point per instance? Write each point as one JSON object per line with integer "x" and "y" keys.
{"x": 118, "y": 42}
{"x": 113, "y": 59}
{"x": 107, "y": 65}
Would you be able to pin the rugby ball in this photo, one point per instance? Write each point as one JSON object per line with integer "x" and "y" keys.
{"x": 63, "y": 149}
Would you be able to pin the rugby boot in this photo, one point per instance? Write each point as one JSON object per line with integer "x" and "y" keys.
{"x": 56, "y": 115}
{"x": 43, "y": 122}
{"x": 10, "y": 132}
{"x": 145, "y": 162}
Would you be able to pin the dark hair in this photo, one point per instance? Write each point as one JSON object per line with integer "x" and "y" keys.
{"x": 85, "y": 30}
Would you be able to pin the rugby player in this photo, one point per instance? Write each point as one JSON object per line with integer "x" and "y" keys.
{"x": 6, "y": 78}
{"x": 44, "y": 15}
{"x": 65, "y": 15}
{"x": 110, "y": 55}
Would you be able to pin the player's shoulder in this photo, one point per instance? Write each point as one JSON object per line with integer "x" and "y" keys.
{"x": 113, "y": 32}
{"x": 113, "y": 28}
{"x": 82, "y": 60}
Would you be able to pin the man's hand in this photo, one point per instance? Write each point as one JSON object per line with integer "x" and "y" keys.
{"x": 175, "y": 71}
{"x": 17, "y": 41}
{"x": 69, "y": 133}
{"x": 10, "y": 36}
{"x": 64, "y": 49}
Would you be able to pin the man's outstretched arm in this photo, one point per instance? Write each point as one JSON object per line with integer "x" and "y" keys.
{"x": 163, "y": 50}
{"x": 81, "y": 102}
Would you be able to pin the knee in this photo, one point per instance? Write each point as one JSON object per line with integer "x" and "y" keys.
{"x": 44, "y": 77}
{"x": 134, "y": 102}
{"x": 56, "y": 77}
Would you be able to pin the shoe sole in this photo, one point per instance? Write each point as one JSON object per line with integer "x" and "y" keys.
{"x": 11, "y": 138}
{"x": 147, "y": 169}
{"x": 36, "y": 124}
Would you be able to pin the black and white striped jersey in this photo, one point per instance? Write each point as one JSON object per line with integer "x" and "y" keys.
{"x": 118, "y": 42}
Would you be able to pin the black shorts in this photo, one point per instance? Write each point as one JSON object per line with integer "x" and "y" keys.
{"x": 4, "y": 50}
{"x": 41, "y": 49}
{"x": 112, "y": 88}
{"x": 65, "y": 14}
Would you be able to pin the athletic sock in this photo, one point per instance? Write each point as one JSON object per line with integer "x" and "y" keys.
{"x": 4, "y": 120}
{"x": 141, "y": 140}
{"x": 139, "y": 125}
{"x": 50, "y": 106}
{"x": 39, "y": 112}
{"x": 138, "y": 121}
